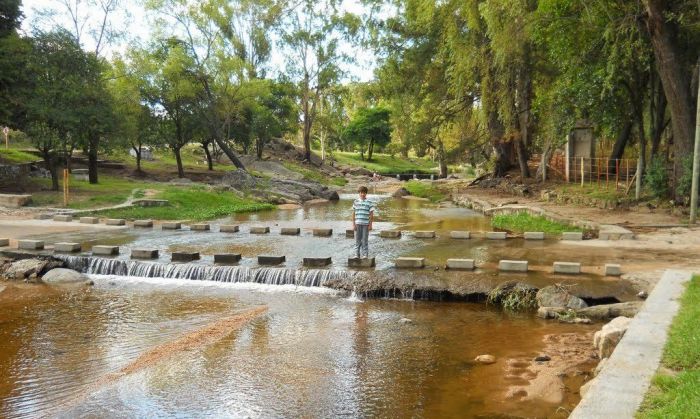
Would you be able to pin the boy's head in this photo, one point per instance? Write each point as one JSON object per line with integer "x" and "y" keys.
{"x": 362, "y": 191}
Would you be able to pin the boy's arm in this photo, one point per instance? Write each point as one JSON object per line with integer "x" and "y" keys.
{"x": 371, "y": 218}
{"x": 353, "y": 219}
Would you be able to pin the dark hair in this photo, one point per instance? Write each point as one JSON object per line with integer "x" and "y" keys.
{"x": 362, "y": 189}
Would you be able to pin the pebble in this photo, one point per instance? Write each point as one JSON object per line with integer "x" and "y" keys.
{"x": 485, "y": 359}
{"x": 542, "y": 358}
{"x": 405, "y": 320}
{"x": 643, "y": 295}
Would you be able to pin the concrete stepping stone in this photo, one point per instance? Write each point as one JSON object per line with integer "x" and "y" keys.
{"x": 613, "y": 269}
{"x": 323, "y": 232}
{"x": 467, "y": 264}
{"x": 30, "y": 244}
{"x": 4, "y": 242}
{"x": 462, "y": 235}
{"x": 200, "y": 227}
{"x": 144, "y": 254}
{"x": 572, "y": 235}
{"x": 227, "y": 258}
{"x": 259, "y": 230}
{"x": 567, "y": 268}
{"x": 424, "y": 234}
{"x": 184, "y": 256}
{"x": 361, "y": 262}
{"x": 270, "y": 260}
{"x": 229, "y": 228}
{"x": 290, "y": 231}
{"x": 171, "y": 225}
{"x": 496, "y": 235}
{"x": 115, "y": 222}
{"x": 63, "y": 218}
{"x": 102, "y": 250}
{"x": 89, "y": 220}
{"x": 512, "y": 265}
{"x": 533, "y": 235}
{"x": 42, "y": 216}
{"x": 317, "y": 262}
{"x": 406, "y": 262}
{"x": 349, "y": 234}
{"x": 143, "y": 223}
{"x": 67, "y": 247}
{"x": 390, "y": 234}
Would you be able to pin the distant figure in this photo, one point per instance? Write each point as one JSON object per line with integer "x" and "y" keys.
{"x": 362, "y": 217}
{"x": 376, "y": 177}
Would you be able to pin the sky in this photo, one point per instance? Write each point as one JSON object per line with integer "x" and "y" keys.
{"x": 138, "y": 23}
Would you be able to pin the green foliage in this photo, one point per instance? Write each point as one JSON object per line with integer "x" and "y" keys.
{"x": 424, "y": 190}
{"x": 368, "y": 128}
{"x": 310, "y": 174}
{"x": 685, "y": 181}
{"x": 513, "y": 297}
{"x": 522, "y": 221}
{"x": 656, "y": 178}
{"x": 384, "y": 164}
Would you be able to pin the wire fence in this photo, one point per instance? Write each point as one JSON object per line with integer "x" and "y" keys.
{"x": 603, "y": 171}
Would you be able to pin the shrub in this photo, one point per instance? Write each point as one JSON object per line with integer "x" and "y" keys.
{"x": 685, "y": 182}
{"x": 656, "y": 178}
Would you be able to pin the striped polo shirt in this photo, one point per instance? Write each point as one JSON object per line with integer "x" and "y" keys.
{"x": 362, "y": 210}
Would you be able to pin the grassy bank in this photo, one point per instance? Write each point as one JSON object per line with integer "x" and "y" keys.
{"x": 522, "y": 222}
{"x": 310, "y": 174}
{"x": 678, "y": 395}
{"x": 424, "y": 190}
{"x": 11, "y": 156}
{"x": 384, "y": 163}
{"x": 194, "y": 203}
{"x": 110, "y": 191}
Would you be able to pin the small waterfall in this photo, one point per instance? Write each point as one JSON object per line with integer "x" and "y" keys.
{"x": 268, "y": 276}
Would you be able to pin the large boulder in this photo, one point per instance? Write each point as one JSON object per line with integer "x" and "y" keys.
{"x": 25, "y": 268}
{"x": 361, "y": 171}
{"x": 514, "y": 296}
{"x": 610, "y": 311}
{"x": 401, "y": 192}
{"x": 606, "y": 339}
{"x": 64, "y": 276}
{"x": 557, "y": 296}
{"x": 239, "y": 179}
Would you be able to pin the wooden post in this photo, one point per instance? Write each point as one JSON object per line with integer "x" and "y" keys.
{"x": 583, "y": 175}
{"x": 597, "y": 164}
{"x": 627, "y": 176}
{"x": 607, "y": 173}
{"x": 65, "y": 187}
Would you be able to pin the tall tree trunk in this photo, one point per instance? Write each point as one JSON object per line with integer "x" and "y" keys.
{"x": 619, "y": 147}
{"x": 138, "y": 157}
{"x": 306, "y": 132}
{"x": 521, "y": 151}
{"x": 92, "y": 158}
{"x": 676, "y": 84}
{"x": 658, "y": 115}
{"x": 642, "y": 142}
{"x": 523, "y": 108}
{"x": 50, "y": 164}
{"x": 442, "y": 159}
{"x": 216, "y": 130}
{"x": 259, "y": 145}
{"x": 370, "y": 150}
{"x": 178, "y": 159}
{"x": 501, "y": 149}
{"x": 210, "y": 162}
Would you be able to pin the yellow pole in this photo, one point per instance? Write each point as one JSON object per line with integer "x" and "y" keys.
{"x": 583, "y": 176}
{"x": 65, "y": 187}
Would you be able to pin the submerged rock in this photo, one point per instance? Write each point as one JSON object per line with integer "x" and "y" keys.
{"x": 485, "y": 359}
{"x": 64, "y": 276}
{"x": 405, "y": 321}
{"x": 607, "y": 338}
{"x": 401, "y": 192}
{"x": 557, "y": 296}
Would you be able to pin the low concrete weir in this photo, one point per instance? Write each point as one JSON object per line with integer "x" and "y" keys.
{"x": 184, "y": 256}
{"x": 349, "y": 234}
{"x": 361, "y": 262}
{"x": 290, "y": 231}
{"x": 323, "y": 232}
{"x": 259, "y": 230}
{"x": 143, "y": 223}
{"x": 424, "y": 234}
{"x": 63, "y": 217}
{"x": 533, "y": 235}
{"x": 613, "y": 269}
{"x": 463, "y": 235}
{"x": 89, "y": 220}
{"x": 30, "y": 244}
{"x": 67, "y": 247}
{"x": 496, "y": 235}
{"x": 271, "y": 260}
{"x": 171, "y": 225}
{"x": 512, "y": 265}
{"x": 227, "y": 258}
{"x": 467, "y": 264}
{"x": 200, "y": 227}
{"x": 105, "y": 250}
{"x": 144, "y": 254}
{"x": 572, "y": 235}
{"x": 115, "y": 222}
{"x": 405, "y": 262}
{"x": 317, "y": 262}
{"x": 567, "y": 268}
{"x": 390, "y": 234}
{"x": 227, "y": 228}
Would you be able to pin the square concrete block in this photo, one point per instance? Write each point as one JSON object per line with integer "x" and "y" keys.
{"x": 567, "y": 268}
{"x": 67, "y": 247}
{"x": 105, "y": 250}
{"x": 612, "y": 269}
{"x": 63, "y": 217}
{"x": 572, "y": 235}
{"x": 4, "y": 242}
{"x": 143, "y": 223}
{"x": 227, "y": 258}
{"x": 460, "y": 235}
{"x": 290, "y": 231}
{"x": 89, "y": 220}
{"x": 460, "y": 264}
{"x": 115, "y": 222}
{"x": 14, "y": 201}
{"x": 30, "y": 244}
{"x": 170, "y": 225}
{"x": 350, "y": 234}
{"x": 496, "y": 235}
{"x": 317, "y": 262}
{"x": 390, "y": 234}
{"x": 533, "y": 235}
{"x": 200, "y": 227}
{"x": 323, "y": 232}
{"x": 361, "y": 262}
{"x": 424, "y": 234}
{"x": 144, "y": 253}
{"x": 42, "y": 216}
{"x": 184, "y": 256}
{"x": 227, "y": 228}
{"x": 409, "y": 262}
{"x": 259, "y": 230}
{"x": 270, "y": 260}
{"x": 512, "y": 265}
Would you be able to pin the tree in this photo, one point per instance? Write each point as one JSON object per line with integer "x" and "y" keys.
{"x": 272, "y": 113}
{"x": 15, "y": 53}
{"x": 369, "y": 127}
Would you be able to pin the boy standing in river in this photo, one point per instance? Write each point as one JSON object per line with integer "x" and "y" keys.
{"x": 362, "y": 217}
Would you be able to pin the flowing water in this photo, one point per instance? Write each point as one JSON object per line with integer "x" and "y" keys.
{"x": 318, "y": 352}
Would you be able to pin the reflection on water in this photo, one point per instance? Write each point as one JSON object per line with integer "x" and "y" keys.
{"x": 311, "y": 355}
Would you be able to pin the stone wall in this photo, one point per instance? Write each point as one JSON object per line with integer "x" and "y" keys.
{"x": 12, "y": 177}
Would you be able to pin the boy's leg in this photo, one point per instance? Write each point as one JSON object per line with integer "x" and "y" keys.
{"x": 358, "y": 239}
{"x": 365, "y": 241}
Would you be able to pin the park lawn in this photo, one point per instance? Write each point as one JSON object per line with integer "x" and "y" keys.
{"x": 310, "y": 174}
{"x": 190, "y": 203}
{"x": 386, "y": 164}
{"x": 595, "y": 191}
{"x": 193, "y": 158}
{"x": 424, "y": 190}
{"x": 523, "y": 221}
{"x": 13, "y": 156}
{"x": 678, "y": 396}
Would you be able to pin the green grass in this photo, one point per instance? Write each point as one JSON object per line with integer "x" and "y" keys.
{"x": 193, "y": 158}
{"x": 595, "y": 191}
{"x": 12, "y": 156}
{"x": 193, "y": 203}
{"x": 424, "y": 190}
{"x": 310, "y": 174}
{"x": 386, "y": 164}
{"x": 523, "y": 221}
{"x": 679, "y": 396}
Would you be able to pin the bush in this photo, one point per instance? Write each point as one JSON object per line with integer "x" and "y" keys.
{"x": 685, "y": 182}
{"x": 656, "y": 178}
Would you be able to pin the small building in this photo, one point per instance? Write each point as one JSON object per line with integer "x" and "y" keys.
{"x": 146, "y": 153}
